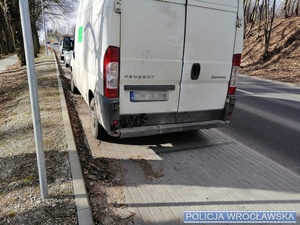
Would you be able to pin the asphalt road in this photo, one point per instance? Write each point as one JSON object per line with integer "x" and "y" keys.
{"x": 267, "y": 119}
{"x": 55, "y": 47}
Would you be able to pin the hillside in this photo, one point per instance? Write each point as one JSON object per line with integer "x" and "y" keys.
{"x": 284, "y": 61}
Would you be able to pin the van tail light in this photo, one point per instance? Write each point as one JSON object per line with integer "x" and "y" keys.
{"x": 111, "y": 72}
{"x": 236, "y": 62}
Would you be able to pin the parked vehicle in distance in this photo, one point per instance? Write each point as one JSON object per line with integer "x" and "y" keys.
{"x": 61, "y": 49}
{"x": 68, "y": 57}
{"x": 66, "y": 45}
{"x": 153, "y": 67}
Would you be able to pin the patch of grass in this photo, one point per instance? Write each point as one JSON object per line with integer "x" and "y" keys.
{"x": 28, "y": 180}
{"x": 48, "y": 142}
{"x": 12, "y": 213}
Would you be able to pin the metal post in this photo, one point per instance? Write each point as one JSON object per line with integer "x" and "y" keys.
{"x": 45, "y": 30}
{"x": 28, "y": 45}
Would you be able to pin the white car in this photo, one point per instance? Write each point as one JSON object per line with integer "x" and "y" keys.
{"x": 61, "y": 52}
{"x": 67, "y": 44}
{"x": 67, "y": 58}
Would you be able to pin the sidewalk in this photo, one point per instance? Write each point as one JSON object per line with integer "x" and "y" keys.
{"x": 202, "y": 171}
{"x": 4, "y": 63}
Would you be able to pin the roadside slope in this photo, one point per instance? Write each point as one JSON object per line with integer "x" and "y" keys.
{"x": 283, "y": 61}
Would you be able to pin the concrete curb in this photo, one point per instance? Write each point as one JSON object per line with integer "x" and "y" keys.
{"x": 84, "y": 211}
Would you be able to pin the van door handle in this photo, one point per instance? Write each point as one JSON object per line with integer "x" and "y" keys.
{"x": 195, "y": 73}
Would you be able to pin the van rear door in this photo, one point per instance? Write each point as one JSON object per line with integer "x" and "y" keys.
{"x": 208, "y": 52}
{"x": 176, "y": 55}
{"x": 151, "y": 52}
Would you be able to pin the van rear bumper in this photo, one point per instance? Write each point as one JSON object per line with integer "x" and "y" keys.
{"x": 168, "y": 128}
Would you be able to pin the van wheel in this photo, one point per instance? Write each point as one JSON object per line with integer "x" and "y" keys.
{"x": 74, "y": 89}
{"x": 97, "y": 130}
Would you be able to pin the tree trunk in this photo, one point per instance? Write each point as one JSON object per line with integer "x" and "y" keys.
{"x": 261, "y": 9}
{"x": 35, "y": 38}
{"x": 253, "y": 16}
{"x": 269, "y": 19}
{"x": 20, "y": 43}
{"x": 266, "y": 27}
{"x": 296, "y": 8}
{"x": 287, "y": 8}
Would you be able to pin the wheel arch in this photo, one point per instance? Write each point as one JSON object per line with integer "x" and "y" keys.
{"x": 90, "y": 96}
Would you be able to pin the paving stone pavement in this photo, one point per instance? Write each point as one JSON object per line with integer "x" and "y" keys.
{"x": 201, "y": 170}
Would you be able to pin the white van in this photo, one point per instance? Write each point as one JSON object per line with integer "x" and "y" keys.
{"x": 147, "y": 67}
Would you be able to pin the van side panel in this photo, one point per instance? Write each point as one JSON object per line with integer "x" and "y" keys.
{"x": 83, "y": 72}
{"x": 94, "y": 34}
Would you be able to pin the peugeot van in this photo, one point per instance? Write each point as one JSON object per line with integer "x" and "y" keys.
{"x": 148, "y": 67}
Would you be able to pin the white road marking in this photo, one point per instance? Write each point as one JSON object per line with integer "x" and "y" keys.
{"x": 246, "y": 92}
{"x": 282, "y": 96}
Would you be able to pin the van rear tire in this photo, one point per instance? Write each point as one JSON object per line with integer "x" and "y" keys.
{"x": 97, "y": 130}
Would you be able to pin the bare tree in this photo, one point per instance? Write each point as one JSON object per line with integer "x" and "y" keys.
{"x": 290, "y": 8}
{"x": 269, "y": 15}
{"x": 10, "y": 29}
{"x": 13, "y": 25}
{"x": 6, "y": 43}
{"x": 251, "y": 14}
{"x": 286, "y": 8}
{"x": 260, "y": 17}
{"x": 295, "y": 8}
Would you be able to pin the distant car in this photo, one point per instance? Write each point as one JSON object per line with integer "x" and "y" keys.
{"x": 61, "y": 49}
{"x": 67, "y": 45}
{"x": 55, "y": 43}
{"x": 68, "y": 58}
{"x": 61, "y": 52}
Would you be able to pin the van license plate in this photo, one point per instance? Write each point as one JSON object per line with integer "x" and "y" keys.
{"x": 149, "y": 96}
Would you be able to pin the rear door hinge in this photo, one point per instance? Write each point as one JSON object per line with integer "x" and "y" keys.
{"x": 118, "y": 5}
{"x": 239, "y": 22}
